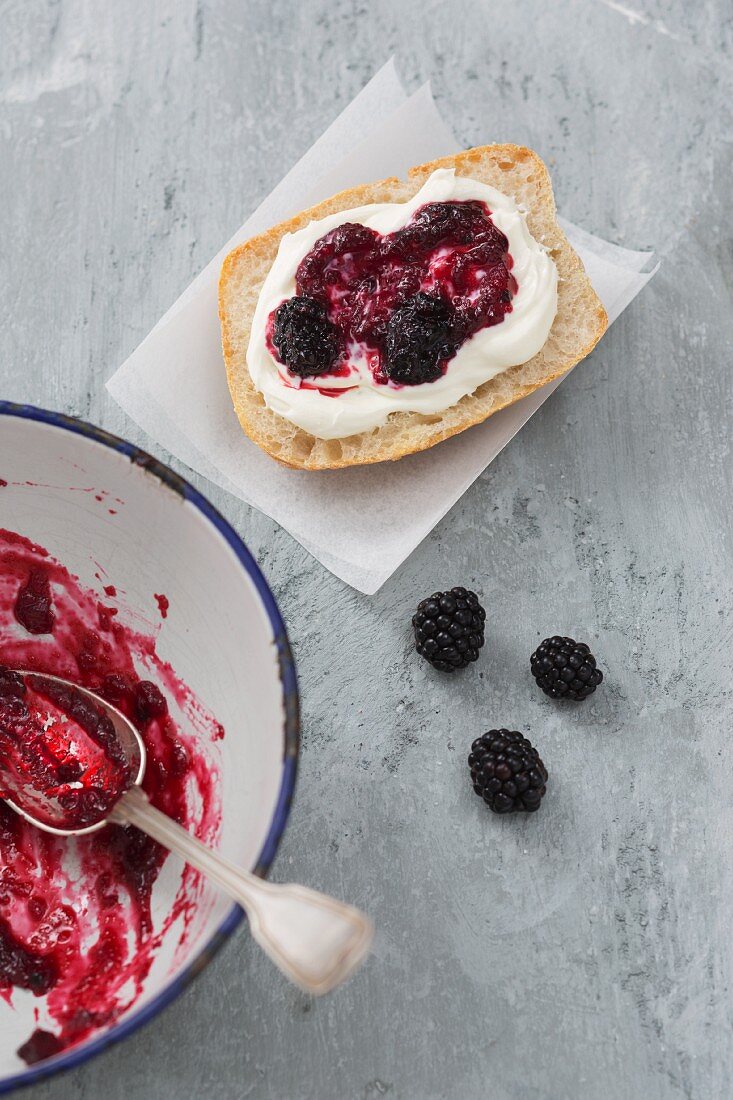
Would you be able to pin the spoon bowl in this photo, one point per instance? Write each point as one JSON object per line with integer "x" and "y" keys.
{"x": 127, "y": 735}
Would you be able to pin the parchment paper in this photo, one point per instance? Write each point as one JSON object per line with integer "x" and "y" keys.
{"x": 360, "y": 523}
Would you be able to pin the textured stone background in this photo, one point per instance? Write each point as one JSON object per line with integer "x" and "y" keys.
{"x": 586, "y": 952}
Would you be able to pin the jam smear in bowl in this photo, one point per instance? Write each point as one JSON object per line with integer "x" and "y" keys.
{"x": 65, "y": 937}
{"x": 98, "y": 931}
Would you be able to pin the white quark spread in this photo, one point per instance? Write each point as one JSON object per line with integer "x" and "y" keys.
{"x": 367, "y": 404}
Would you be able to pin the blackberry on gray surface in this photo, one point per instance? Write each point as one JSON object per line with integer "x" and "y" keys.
{"x": 565, "y": 669}
{"x": 507, "y": 772}
{"x": 306, "y": 341}
{"x": 449, "y": 629}
{"x": 421, "y": 334}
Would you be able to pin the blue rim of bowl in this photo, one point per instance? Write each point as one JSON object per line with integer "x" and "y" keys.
{"x": 291, "y": 730}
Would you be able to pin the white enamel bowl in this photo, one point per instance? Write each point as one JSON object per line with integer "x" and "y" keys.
{"x": 223, "y": 635}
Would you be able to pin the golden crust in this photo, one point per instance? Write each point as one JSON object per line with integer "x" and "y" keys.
{"x": 580, "y": 322}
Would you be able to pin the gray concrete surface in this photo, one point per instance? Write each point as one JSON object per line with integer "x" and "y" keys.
{"x": 585, "y": 953}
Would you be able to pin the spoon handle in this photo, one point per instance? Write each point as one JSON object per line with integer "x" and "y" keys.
{"x": 315, "y": 940}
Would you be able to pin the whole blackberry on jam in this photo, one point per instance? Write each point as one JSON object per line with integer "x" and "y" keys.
{"x": 421, "y": 333}
{"x": 306, "y": 341}
{"x": 449, "y": 629}
{"x": 565, "y": 669}
{"x": 507, "y": 772}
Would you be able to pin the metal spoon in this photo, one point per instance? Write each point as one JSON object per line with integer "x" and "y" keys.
{"x": 317, "y": 941}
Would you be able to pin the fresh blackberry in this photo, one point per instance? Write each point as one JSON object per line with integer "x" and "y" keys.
{"x": 565, "y": 669}
{"x": 506, "y": 770}
{"x": 449, "y": 629}
{"x": 421, "y": 334}
{"x": 306, "y": 341}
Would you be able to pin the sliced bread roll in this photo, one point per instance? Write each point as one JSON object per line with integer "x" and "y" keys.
{"x": 580, "y": 322}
